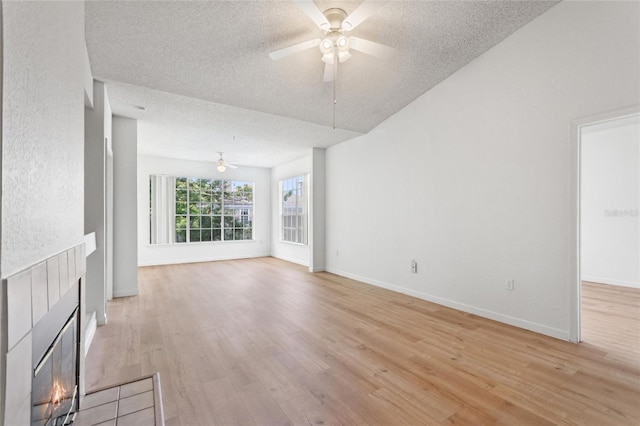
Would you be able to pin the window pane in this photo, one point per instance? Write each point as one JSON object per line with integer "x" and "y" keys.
{"x": 216, "y": 235}
{"x": 206, "y": 234}
{"x": 293, "y": 209}
{"x": 205, "y": 186}
{"x": 237, "y": 234}
{"x": 194, "y": 195}
{"x": 181, "y": 222}
{"x": 194, "y": 221}
{"x": 181, "y": 195}
{"x": 181, "y": 208}
{"x": 215, "y": 222}
{"x": 205, "y": 208}
{"x": 228, "y": 222}
{"x": 181, "y": 236}
{"x": 181, "y": 183}
{"x": 228, "y": 234}
{"x": 194, "y": 235}
{"x": 194, "y": 208}
{"x": 216, "y": 208}
{"x": 206, "y": 222}
{"x": 205, "y": 196}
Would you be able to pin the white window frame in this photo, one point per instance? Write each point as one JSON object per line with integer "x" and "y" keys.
{"x": 250, "y": 214}
{"x": 294, "y": 229}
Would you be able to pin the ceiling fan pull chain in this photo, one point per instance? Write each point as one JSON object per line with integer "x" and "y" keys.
{"x": 333, "y": 84}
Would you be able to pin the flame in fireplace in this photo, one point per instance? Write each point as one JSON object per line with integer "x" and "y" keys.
{"x": 57, "y": 394}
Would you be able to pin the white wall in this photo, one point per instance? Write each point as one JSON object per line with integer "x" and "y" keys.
{"x": 42, "y": 50}
{"x": 472, "y": 178}
{"x": 125, "y": 209}
{"x": 610, "y": 197}
{"x": 43, "y": 131}
{"x": 317, "y": 214}
{"x": 296, "y": 253}
{"x": 3, "y": 323}
{"x": 200, "y": 252}
{"x": 97, "y": 132}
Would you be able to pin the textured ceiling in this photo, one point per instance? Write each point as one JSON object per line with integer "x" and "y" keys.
{"x": 217, "y": 51}
{"x": 178, "y": 126}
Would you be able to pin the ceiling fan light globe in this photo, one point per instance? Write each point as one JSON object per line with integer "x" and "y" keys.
{"x": 344, "y": 56}
{"x": 328, "y": 58}
{"x": 326, "y": 46}
{"x": 343, "y": 43}
{"x": 221, "y": 168}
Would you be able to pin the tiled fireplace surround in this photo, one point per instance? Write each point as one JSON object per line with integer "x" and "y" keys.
{"x": 27, "y": 297}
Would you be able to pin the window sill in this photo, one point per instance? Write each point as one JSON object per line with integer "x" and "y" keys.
{"x": 293, "y": 244}
{"x": 199, "y": 243}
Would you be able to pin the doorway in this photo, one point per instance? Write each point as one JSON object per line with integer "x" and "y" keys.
{"x": 609, "y": 235}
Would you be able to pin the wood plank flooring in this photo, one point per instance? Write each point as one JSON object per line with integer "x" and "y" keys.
{"x": 263, "y": 342}
{"x": 611, "y": 320}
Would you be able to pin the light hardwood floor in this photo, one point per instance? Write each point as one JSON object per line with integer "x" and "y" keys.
{"x": 263, "y": 342}
{"x": 611, "y": 320}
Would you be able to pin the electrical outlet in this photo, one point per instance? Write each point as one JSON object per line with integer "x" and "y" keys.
{"x": 414, "y": 266}
{"x": 510, "y": 284}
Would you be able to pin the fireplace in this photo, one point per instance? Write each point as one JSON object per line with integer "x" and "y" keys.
{"x": 42, "y": 352}
{"x": 54, "y": 388}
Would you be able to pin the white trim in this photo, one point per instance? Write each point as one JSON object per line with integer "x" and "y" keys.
{"x": 125, "y": 293}
{"x": 89, "y": 332}
{"x": 292, "y": 243}
{"x": 90, "y": 243}
{"x": 185, "y": 244}
{"x": 517, "y": 322}
{"x": 202, "y": 259}
{"x": 611, "y": 281}
{"x": 291, "y": 260}
{"x": 573, "y": 256}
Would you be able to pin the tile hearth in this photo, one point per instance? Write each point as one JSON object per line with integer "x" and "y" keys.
{"x": 137, "y": 403}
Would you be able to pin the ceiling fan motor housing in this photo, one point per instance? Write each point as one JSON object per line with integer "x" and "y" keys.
{"x": 335, "y": 38}
{"x": 335, "y": 17}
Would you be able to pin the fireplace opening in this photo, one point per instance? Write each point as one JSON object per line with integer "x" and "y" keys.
{"x": 54, "y": 392}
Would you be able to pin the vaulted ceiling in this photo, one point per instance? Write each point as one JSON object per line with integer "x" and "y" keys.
{"x": 202, "y": 70}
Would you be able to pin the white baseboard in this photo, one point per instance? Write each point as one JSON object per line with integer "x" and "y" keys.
{"x": 610, "y": 281}
{"x": 89, "y": 332}
{"x": 200, "y": 259}
{"x": 292, "y": 260}
{"x": 527, "y": 325}
{"x": 125, "y": 293}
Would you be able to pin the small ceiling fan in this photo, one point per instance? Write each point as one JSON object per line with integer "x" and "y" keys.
{"x": 335, "y": 46}
{"x": 222, "y": 164}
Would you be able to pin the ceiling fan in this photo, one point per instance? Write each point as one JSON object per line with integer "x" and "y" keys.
{"x": 222, "y": 164}
{"x": 335, "y": 46}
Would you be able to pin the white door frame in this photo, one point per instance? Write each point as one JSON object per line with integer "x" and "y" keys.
{"x": 575, "y": 281}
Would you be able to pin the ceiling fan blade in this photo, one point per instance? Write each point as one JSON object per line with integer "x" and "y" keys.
{"x": 328, "y": 72}
{"x": 231, "y": 166}
{"x": 371, "y": 48}
{"x": 279, "y": 54}
{"x": 362, "y": 12}
{"x": 312, "y": 11}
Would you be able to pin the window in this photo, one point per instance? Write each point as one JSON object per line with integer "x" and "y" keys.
{"x": 294, "y": 209}
{"x": 208, "y": 210}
